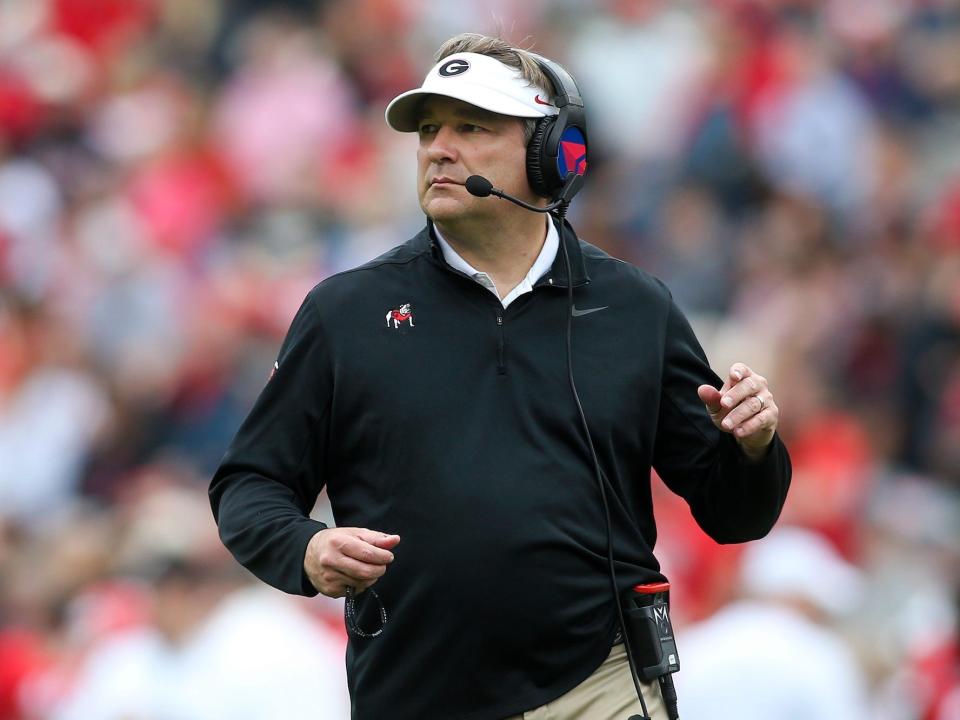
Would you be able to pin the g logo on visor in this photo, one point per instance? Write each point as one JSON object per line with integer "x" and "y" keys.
{"x": 454, "y": 67}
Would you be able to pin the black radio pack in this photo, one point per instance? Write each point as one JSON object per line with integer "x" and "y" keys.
{"x": 647, "y": 612}
{"x": 647, "y": 615}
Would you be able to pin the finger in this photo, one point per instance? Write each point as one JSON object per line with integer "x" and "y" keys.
{"x": 377, "y": 538}
{"x": 752, "y": 384}
{"x": 742, "y": 412}
{"x": 357, "y": 570}
{"x": 738, "y": 371}
{"x": 366, "y": 553}
{"x": 763, "y": 421}
{"x": 335, "y": 584}
{"x": 385, "y": 541}
{"x": 356, "y": 584}
{"x": 710, "y": 397}
{"x": 330, "y": 583}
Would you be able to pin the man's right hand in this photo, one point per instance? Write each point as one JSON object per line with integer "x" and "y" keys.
{"x": 338, "y": 558}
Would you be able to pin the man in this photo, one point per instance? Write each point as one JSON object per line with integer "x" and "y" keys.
{"x": 453, "y": 427}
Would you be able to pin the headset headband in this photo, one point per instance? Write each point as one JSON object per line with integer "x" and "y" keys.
{"x": 565, "y": 87}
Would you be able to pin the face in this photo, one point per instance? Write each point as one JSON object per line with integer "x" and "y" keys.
{"x": 458, "y": 140}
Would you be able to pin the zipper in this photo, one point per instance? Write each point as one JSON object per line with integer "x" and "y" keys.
{"x": 501, "y": 361}
{"x": 501, "y": 365}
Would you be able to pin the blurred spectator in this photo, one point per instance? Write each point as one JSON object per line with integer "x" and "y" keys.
{"x": 30, "y": 207}
{"x": 284, "y": 115}
{"x": 908, "y": 633}
{"x": 772, "y": 654}
{"x": 48, "y": 423}
{"x": 813, "y": 130}
{"x": 642, "y": 119}
{"x": 212, "y": 652}
{"x": 170, "y": 638}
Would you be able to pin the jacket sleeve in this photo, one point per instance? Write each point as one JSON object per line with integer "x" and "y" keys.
{"x": 271, "y": 474}
{"x": 731, "y": 498}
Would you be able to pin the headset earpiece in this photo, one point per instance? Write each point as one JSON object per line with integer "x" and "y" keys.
{"x": 559, "y": 142}
{"x": 535, "y": 161}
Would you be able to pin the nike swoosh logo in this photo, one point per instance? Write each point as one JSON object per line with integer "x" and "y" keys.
{"x": 539, "y": 101}
{"x": 577, "y": 312}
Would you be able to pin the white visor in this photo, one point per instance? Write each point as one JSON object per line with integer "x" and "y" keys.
{"x": 476, "y": 79}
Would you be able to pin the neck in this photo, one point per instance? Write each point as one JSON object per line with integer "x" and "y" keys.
{"x": 505, "y": 247}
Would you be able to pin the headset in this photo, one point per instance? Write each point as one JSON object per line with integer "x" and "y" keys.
{"x": 559, "y": 142}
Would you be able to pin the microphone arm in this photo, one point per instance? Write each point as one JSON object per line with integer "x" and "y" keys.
{"x": 481, "y": 187}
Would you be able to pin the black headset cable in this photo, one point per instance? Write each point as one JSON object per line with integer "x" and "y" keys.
{"x": 561, "y": 213}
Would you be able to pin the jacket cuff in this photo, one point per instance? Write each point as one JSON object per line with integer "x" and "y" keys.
{"x": 304, "y": 533}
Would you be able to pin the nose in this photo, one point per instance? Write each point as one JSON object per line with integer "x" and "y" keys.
{"x": 443, "y": 146}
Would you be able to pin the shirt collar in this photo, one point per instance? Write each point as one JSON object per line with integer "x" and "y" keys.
{"x": 425, "y": 241}
{"x": 543, "y": 263}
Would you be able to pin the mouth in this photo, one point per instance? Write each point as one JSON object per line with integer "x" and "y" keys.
{"x": 443, "y": 180}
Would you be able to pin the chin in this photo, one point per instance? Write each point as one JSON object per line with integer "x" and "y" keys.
{"x": 447, "y": 210}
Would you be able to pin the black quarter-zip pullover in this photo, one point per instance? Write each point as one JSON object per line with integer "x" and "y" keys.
{"x": 452, "y": 424}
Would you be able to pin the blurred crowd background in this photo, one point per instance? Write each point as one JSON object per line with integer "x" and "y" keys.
{"x": 175, "y": 175}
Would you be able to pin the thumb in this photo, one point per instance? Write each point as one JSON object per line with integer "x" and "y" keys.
{"x": 710, "y": 397}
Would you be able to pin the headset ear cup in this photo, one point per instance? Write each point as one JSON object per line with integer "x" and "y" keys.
{"x": 537, "y": 167}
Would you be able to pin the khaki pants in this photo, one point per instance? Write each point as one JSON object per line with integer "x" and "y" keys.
{"x": 608, "y": 694}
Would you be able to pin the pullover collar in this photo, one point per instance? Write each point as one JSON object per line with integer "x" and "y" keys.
{"x": 426, "y": 241}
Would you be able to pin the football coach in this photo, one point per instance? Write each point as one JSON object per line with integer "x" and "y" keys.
{"x": 484, "y": 404}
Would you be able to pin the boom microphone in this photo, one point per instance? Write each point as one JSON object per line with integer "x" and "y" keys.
{"x": 478, "y": 185}
{"x": 481, "y": 187}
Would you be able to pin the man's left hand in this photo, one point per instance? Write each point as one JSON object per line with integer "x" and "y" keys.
{"x": 745, "y": 407}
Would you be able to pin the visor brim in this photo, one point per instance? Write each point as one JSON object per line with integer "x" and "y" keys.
{"x": 403, "y": 112}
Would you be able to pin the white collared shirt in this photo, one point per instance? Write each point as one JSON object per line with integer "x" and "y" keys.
{"x": 543, "y": 263}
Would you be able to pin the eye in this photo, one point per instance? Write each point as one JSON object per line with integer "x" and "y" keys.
{"x": 427, "y": 129}
{"x": 471, "y": 128}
